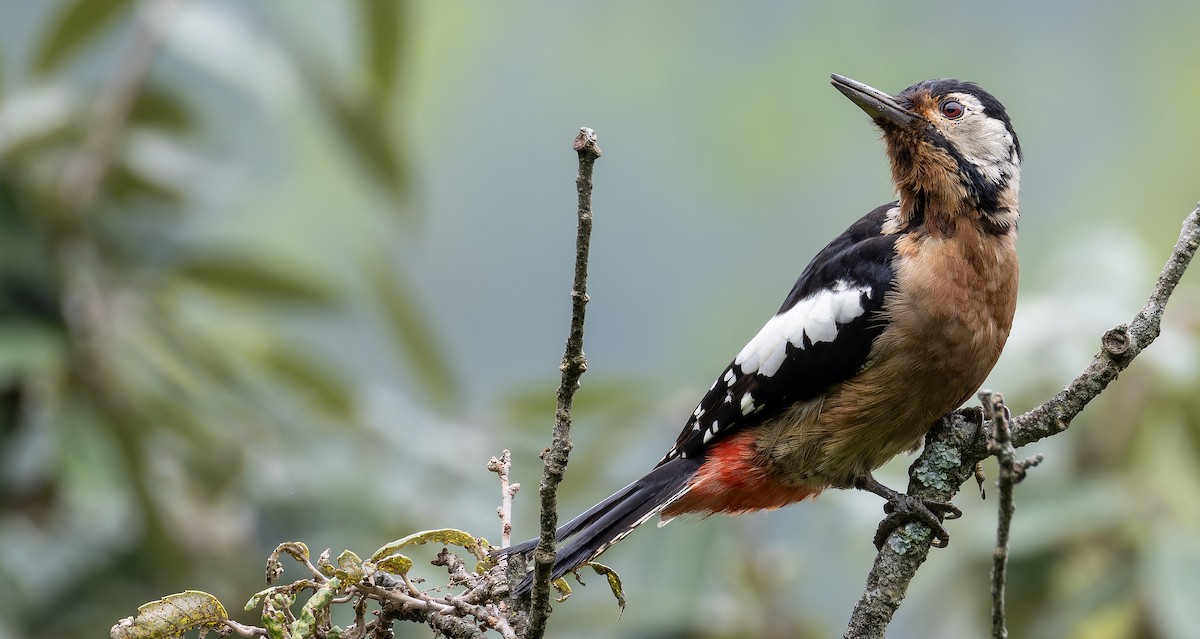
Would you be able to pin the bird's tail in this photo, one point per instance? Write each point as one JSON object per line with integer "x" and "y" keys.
{"x": 609, "y": 521}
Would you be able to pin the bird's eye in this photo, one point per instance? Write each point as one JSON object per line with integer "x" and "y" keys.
{"x": 952, "y": 109}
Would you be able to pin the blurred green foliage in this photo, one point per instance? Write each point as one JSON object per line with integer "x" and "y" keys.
{"x": 143, "y": 369}
{"x": 324, "y": 278}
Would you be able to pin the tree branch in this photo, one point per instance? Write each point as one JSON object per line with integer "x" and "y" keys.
{"x": 573, "y": 366}
{"x": 954, "y": 445}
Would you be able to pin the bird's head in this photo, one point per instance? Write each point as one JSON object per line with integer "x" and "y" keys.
{"x": 952, "y": 149}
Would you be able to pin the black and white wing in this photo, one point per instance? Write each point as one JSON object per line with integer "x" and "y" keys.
{"x": 822, "y": 335}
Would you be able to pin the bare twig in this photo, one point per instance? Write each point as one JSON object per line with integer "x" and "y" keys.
{"x": 953, "y": 446}
{"x": 360, "y": 617}
{"x": 501, "y": 467}
{"x": 1012, "y": 471}
{"x": 451, "y": 618}
{"x": 415, "y": 601}
{"x": 1001, "y": 446}
{"x": 244, "y": 630}
{"x": 502, "y": 625}
{"x": 316, "y": 572}
{"x": 573, "y": 366}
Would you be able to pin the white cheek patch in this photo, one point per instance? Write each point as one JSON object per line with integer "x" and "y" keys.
{"x": 816, "y": 317}
{"x": 988, "y": 142}
{"x": 983, "y": 141}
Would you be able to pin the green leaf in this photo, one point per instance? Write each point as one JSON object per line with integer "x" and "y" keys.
{"x": 259, "y": 598}
{"x": 306, "y": 624}
{"x": 254, "y": 278}
{"x": 414, "y": 335}
{"x": 160, "y": 107}
{"x": 124, "y": 184}
{"x": 51, "y": 127}
{"x": 350, "y": 567}
{"x": 279, "y": 593}
{"x": 397, "y": 564}
{"x": 27, "y": 347}
{"x": 365, "y": 131}
{"x": 326, "y": 390}
{"x": 78, "y": 23}
{"x": 379, "y": 21}
{"x": 275, "y": 615}
{"x": 614, "y": 581}
{"x": 487, "y": 562}
{"x": 563, "y": 588}
{"x": 172, "y": 616}
{"x": 439, "y": 536}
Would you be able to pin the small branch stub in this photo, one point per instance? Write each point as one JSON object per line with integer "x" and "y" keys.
{"x": 585, "y": 143}
{"x": 1116, "y": 342}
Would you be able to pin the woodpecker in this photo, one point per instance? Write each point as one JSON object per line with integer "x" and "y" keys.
{"x": 892, "y": 325}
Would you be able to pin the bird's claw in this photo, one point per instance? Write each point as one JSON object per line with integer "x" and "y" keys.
{"x": 902, "y": 509}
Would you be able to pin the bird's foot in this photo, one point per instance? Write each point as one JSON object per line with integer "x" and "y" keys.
{"x": 975, "y": 414}
{"x": 902, "y": 509}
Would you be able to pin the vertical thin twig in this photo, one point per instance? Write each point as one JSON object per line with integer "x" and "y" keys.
{"x": 501, "y": 467}
{"x": 1001, "y": 446}
{"x": 573, "y": 366}
{"x": 1012, "y": 472}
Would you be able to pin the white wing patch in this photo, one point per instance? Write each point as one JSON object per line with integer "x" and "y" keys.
{"x": 816, "y": 317}
{"x": 892, "y": 224}
{"x": 747, "y": 404}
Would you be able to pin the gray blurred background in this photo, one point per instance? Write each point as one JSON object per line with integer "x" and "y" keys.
{"x": 325, "y": 277}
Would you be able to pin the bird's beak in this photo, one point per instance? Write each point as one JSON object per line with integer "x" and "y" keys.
{"x": 879, "y": 105}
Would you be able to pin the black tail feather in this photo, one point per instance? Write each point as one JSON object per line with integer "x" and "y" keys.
{"x": 608, "y": 521}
